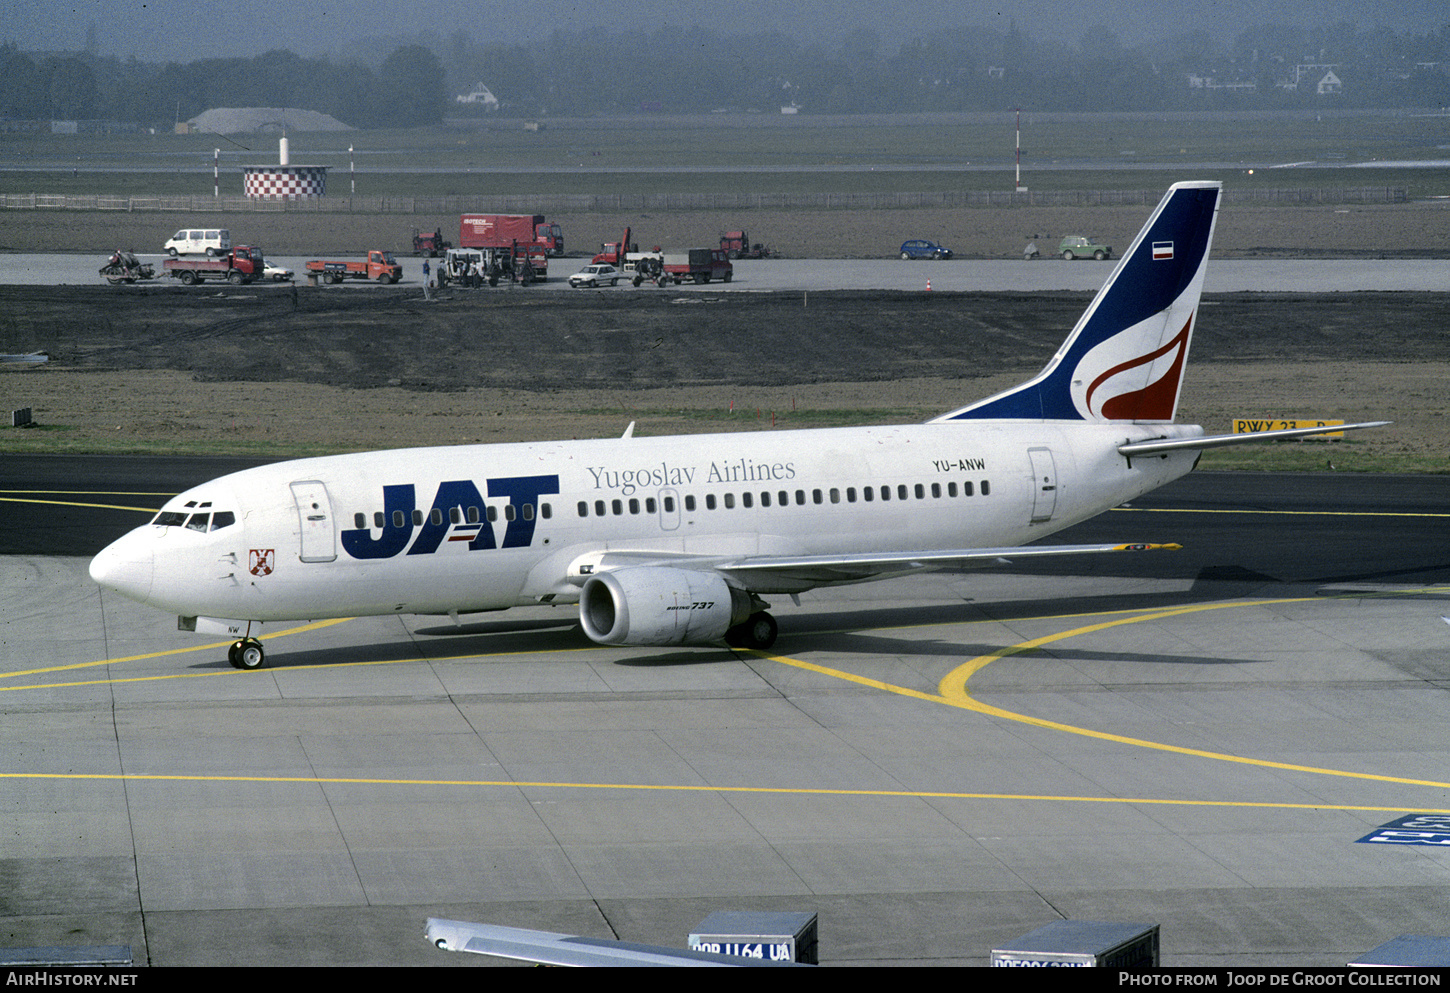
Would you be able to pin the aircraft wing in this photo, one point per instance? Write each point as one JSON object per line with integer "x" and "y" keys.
{"x": 552, "y": 948}
{"x": 777, "y": 573}
{"x": 1153, "y": 447}
{"x": 753, "y": 569}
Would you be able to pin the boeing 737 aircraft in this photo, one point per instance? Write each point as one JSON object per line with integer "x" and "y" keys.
{"x": 674, "y": 541}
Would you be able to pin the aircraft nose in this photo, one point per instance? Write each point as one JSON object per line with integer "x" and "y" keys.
{"x": 126, "y": 565}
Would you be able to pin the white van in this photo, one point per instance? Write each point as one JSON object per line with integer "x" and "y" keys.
{"x": 190, "y": 241}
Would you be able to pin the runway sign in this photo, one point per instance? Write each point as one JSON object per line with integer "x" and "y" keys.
{"x": 1248, "y": 425}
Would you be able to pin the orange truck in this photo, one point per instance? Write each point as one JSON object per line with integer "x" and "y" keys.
{"x": 379, "y": 265}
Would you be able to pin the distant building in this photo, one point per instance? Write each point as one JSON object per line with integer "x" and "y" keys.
{"x": 1329, "y": 84}
{"x": 481, "y": 96}
{"x": 257, "y": 120}
{"x": 1197, "y": 82}
{"x": 1320, "y": 77}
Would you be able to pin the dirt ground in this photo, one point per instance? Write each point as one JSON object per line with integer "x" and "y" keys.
{"x": 273, "y": 370}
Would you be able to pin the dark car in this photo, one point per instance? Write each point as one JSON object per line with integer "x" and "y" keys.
{"x": 919, "y": 249}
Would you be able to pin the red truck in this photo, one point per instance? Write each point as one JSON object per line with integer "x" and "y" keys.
{"x": 503, "y": 230}
{"x": 429, "y": 244}
{"x": 700, "y": 265}
{"x": 240, "y": 265}
{"x": 625, "y": 255}
{"x": 613, "y": 252}
{"x": 737, "y": 244}
{"x": 380, "y": 265}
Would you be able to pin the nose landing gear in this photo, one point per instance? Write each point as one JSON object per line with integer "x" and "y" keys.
{"x": 247, "y": 654}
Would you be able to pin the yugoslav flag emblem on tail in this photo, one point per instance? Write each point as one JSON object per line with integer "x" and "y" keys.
{"x": 1125, "y": 359}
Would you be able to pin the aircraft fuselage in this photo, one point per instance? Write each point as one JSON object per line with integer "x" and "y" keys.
{"x": 473, "y": 528}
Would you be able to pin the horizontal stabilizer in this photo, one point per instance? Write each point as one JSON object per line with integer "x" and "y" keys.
{"x": 1159, "y": 446}
{"x": 552, "y": 948}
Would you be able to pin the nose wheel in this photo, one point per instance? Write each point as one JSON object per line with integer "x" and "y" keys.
{"x": 247, "y": 654}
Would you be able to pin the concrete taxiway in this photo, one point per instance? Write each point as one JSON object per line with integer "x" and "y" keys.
{"x": 804, "y": 275}
{"x": 934, "y": 765}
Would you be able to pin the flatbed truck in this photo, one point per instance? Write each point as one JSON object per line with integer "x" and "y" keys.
{"x": 379, "y": 265}
{"x": 238, "y": 266}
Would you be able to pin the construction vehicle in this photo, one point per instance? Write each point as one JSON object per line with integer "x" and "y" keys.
{"x": 431, "y": 245}
{"x": 237, "y": 266}
{"x": 737, "y": 245}
{"x": 379, "y": 265}
{"x": 624, "y": 254}
{"x": 125, "y": 267}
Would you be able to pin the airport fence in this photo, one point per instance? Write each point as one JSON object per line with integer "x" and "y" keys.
{"x": 612, "y": 202}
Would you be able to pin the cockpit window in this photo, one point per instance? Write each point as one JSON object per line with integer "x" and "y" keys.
{"x": 204, "y": 521}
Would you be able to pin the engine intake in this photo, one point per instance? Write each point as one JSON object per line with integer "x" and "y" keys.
{"x": 654, "y": 605}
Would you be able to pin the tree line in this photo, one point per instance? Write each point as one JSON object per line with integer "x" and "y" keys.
{"x": 691, "y": 70}
{"x": 406, "y": 89}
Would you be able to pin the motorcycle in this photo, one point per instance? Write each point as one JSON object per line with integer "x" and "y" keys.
{"x": 125, "y": 267}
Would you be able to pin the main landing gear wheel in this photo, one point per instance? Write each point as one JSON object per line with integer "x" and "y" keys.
{"x": 758, "y": 631}
{"x": 247, "y": 654}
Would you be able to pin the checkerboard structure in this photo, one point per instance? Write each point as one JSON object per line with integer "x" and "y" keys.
{"x": 285, "y": 182}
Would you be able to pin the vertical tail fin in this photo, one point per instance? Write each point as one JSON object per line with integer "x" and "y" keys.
{"x": 1124, "y": 360}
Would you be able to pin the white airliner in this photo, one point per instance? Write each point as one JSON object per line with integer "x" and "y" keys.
{"x": 674, "y": 541}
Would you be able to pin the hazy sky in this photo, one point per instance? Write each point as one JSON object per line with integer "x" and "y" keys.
{"x": 193, "y": 29}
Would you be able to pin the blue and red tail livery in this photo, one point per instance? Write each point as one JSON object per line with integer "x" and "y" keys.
{"x": 1124, "y": 360}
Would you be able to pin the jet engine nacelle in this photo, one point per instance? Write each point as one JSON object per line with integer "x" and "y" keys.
{"x": 653, "y": 605}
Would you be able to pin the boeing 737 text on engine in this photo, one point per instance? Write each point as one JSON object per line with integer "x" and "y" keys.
{"x": 676, "y": 541}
